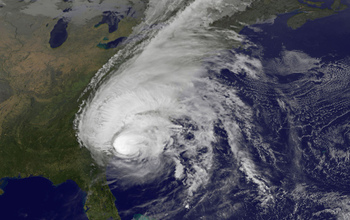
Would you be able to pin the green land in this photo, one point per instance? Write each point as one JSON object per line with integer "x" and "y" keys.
{"x": 40, "y": 87}
{"x": 263, "y": 10}
{"x": 39, "y": 104}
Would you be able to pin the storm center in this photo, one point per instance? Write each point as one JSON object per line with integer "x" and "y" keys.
{"x": 127, "y": 145}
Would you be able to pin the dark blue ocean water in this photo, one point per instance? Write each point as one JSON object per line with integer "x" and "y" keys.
{"x": 327, "y": 37}
{"x": 37, "y": 198}
{"x": 326, "y": 3}
{"x": 130, "y": 199}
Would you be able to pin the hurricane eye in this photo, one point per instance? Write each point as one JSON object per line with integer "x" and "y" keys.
{"x": 127, "y": 145}
{"x": 156, "y": 106}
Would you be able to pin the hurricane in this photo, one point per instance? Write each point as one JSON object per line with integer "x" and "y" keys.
{"x": 179, "y": 115}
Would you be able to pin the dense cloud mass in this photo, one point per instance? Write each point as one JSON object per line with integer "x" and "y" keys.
{"x": 210, "y": 129}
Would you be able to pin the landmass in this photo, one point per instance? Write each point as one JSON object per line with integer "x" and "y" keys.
{"x": 267, "y": 10}
{"x": 40, "y": 86}
{"x": 318, "y": 4}
{"x": 310, "y": 14}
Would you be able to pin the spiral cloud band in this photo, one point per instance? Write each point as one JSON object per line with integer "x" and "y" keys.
{"x": 160, "y": 106}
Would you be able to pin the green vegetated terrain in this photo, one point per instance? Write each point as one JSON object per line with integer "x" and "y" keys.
{"x": 40, "y": 87}
{"x": 309, "y": 14}
{"x": 263, "y": 10}
{"x": 39, "y": 90}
